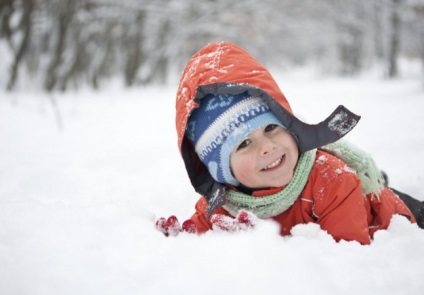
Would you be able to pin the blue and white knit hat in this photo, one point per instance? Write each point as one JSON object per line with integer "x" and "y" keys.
{"x": 220, "y": 123}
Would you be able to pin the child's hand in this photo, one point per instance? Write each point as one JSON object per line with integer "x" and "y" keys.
{"x": 244, "y": 220}
{"x": 172, "y": 227}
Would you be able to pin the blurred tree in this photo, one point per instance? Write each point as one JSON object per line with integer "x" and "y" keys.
{"x": 394, "y": 38}
{"x": 58, "y": 44}
{"x": 414, "y": 25}
{"x": 350, "y": 21}
{"x": 63, "y": 12}
{"x": 19, "y": 47}
{"x": 133, "y": 40}
{"x": 6, "y": 12}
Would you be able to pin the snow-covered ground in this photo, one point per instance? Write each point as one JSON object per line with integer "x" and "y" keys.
{"x": 82, "y": 182}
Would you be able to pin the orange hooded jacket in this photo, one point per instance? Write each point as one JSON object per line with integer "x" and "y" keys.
{"x": 331, "y": 199}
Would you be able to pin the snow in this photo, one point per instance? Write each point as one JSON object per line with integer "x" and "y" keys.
{"x": 82, "y": 183}
{"x": 321, "y": 159}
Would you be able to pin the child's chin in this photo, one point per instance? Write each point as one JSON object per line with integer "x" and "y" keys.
{"x": 280, "y": 183}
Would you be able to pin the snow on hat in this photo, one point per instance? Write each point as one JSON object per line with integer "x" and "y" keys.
{"x": 220, "y": 123}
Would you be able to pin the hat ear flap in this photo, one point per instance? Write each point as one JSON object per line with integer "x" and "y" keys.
{"x": 201, "y": 179}
{"x": 310, "y": 136}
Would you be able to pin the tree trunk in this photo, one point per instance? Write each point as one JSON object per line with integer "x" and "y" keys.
{"x": 378, "y": 32}
{"x": 26, "y": 24}
{"x": 6, "y": 12}
{"x": 394, "y": 41}
{"x": 159, "y": 70}
{"x": 135, "y": 54}
{"x": 63, "y": 19}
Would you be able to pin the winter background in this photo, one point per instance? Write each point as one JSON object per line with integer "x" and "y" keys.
{"x": 82, "y": 182}
{"x": 89, "y": 157}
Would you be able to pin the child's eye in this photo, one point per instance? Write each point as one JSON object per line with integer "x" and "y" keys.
{"x": 243, "y": 144}
{"x": 270, "y": 127}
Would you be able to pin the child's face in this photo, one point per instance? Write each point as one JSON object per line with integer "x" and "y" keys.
{"x": 267, "y": 157}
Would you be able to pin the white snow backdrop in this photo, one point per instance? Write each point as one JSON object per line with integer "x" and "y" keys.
{"x": 81, "y": 185}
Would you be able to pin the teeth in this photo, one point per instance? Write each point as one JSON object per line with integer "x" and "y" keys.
{"x": 274, "y": 164}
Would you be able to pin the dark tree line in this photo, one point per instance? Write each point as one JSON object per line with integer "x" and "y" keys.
{"x": 58, "y": 44}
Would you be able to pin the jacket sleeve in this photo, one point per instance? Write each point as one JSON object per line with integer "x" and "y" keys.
{"x": 384, "y": 208}
{"x": 341, "y": 210}
{"x": 199, "y": 217}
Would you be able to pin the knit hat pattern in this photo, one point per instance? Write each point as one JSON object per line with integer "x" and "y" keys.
{"x": 220, "y": 123}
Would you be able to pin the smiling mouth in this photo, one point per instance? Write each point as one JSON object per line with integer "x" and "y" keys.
{"x": 274, "y": 164}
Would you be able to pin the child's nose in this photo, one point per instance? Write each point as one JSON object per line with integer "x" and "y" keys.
{"x": 267, "y": 146}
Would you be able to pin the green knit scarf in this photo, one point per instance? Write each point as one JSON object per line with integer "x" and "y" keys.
{"x": 274, "y": 204}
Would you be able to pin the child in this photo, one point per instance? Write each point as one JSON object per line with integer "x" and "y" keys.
{"x": 245, "y": 151}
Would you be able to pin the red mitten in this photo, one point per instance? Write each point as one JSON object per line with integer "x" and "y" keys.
{"x": 242, "y": 221}
{"x": 224, "y": 222}
{"x": 247, "y": 218}
{"x": 172, "y": 227}
{"x": 160, "y": 226}
{"x": 189, "y": 226}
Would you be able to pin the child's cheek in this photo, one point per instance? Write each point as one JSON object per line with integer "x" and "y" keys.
{"x": 246, "y": 168}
